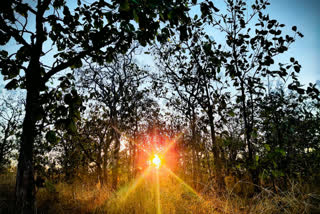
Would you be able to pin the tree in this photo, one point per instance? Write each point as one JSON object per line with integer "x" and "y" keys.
{"x": 204, "y": 75}
{"x": 290, "y": 127}
{"x": 10, "y": 125}
{"x": 100, "y": 30}
{"x": 252, "y": 55}
{"x": 94, "y": 138}
{"x": 117, "y": 86}
{"x": 191, "y": 67}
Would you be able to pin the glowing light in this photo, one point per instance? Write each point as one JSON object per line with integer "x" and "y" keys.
{"x": 156, "y": 161}
{"x": 158, "y": 194}
{"x": 173, "y": 142}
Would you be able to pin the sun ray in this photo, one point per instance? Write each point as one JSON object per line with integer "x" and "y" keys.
{"x": 176, "y": 138}
{"x": 125, "y": 193}
{"x": 183, "y": 183}
{"x": 158, "y": 192}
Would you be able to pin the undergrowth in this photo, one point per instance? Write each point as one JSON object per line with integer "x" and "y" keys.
{"x": 173, "y": 198}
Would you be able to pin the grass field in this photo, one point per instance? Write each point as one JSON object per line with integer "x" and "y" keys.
{"x": 157, "y": 193}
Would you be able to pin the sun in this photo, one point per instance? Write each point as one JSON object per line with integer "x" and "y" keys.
{"x": 156, "y": 161}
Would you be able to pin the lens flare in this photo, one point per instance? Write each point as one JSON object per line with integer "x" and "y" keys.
{"x": 126, "y": 191}
{"x": 156, "y": 161}
{"x": 184, "y": 183}
{"x": 158, "y": 193}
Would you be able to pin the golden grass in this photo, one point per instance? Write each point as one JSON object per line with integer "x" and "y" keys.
{"x": 170, "y": 196}
{"x": 71, "y": 198}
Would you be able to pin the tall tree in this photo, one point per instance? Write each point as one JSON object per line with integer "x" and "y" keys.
{"x": 251, "y": 61}
{"x": 191, "y": 65}
{"x": 94, "y": 138}
{"x": 119, "y": 88}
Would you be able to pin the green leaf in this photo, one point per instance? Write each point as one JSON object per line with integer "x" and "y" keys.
{"x": 300, "y": 34}
{"x": 231, "y": 113}
{"x": 4, "y": 38}
{"x": 135, "y": 16}
{"x": 300, "y": 90}
{"x": 267, "y": 147}
{"x": 57, "y": 4}
{"x": 22, "y": 9}
{"x": 68, "y": 99}
{"x": 170, "y": 15}
{"x": 71, "y": 126}
{"x": 124, "y": 5}
{"x": 4, "y": 53}
{"x": 277, "y": 173}
{"x": 275, "y": 165}
{"x": 213, "y": 7}
{"x": 281, "y": 151}
{"x": 13, "y": 84}
{"x": 254, "y": 134}
{"x": 161, "y": 16}
{"x": 51, "y": 136}
{"x": 60, "y": 124}
{"x": 297, "y": 68}
{"x": 78, "y": 64}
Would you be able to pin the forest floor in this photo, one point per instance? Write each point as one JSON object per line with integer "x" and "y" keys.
{"x": 156, "y": 194}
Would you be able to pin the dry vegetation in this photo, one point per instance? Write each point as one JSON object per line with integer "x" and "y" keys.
{"x": 86, "y": 197}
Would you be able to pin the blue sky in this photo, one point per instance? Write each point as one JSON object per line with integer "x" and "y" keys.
{"x": 305, "y": 14}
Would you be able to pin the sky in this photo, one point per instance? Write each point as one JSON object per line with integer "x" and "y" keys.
{"x": 302, "y": 13}
{"x": 305, "y": 14}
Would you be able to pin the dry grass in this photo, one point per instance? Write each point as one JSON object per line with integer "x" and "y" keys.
{"x": 71, "y": 198}
{"x": 175, "y": 198}
{"x": 7, "y": 185}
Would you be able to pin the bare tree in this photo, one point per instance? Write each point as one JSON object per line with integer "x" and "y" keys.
{"x": 10, "y": 127}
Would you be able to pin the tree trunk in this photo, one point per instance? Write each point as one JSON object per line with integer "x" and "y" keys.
{"x": 105, "y": 165}
{"x": 100, "y": 175}
{"x": 193, "y": 152}
{"x": 116, "y": 161}
{"x": 199, "y": 169}
{"x": 25, "y": 187}
{"x": 2, "y": 163}
{"x": 134, "y": 157}
{"x": 248, "y": 132}
{"x": 215, "y": 151}
{"x": 99, "y": 168}
{"x": 129, "y": 175}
